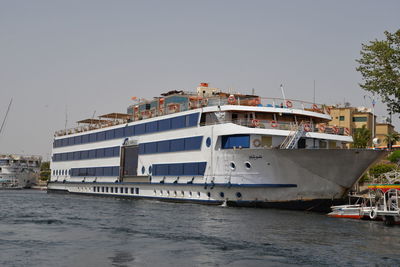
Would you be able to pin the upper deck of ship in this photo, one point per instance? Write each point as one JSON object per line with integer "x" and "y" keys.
{"x": 279, "y": 111}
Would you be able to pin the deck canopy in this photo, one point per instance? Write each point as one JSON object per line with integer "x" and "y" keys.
{"x": 93, "y": 121}
{"x": 116, "y": 116}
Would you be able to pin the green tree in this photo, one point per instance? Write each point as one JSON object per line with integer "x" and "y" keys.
{"x": 381, "y": 168}
{"x": 392, "y": 138}
{"x": 394, "y": 156}
{"x": 361, "y": 137}
{"x": 380, "y": 69}
{"x": 45, "y": 171}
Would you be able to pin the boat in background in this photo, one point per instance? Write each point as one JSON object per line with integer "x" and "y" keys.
{"x": 19, "y": 171}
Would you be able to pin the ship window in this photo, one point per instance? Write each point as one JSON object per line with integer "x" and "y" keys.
{"x": 92, "y": 154}
{"x": 85, "y": 139}
{"x": 121, "y": 190}
{"x": 132, "y": 190}
{"x": 91, "y": 171}
{"x": 102, "y": 189}
{"x": 99, "y": 171}
{"x": 176, "y": 169}
{"x": 70, "y": 155}
{"x": 150, "y": 169}
{"x": 64, "y": 142}
{"x": 163, "y": 146}
{"x": 208, "y": 142}
{"x": 126, "y": 190}
{"x": 92, "y": 137}
{"x": 100, "y": 153}
{"x": 137, "y": 190}
{"x": 192, "y": 119}
{"x": 140, "y": 129}
{"x": 107, "y": 171}
{"x": 177, "y": 145}
{"x": 191, "y": 169}
{"x": 178, "y": 122}
{"x": 143, "y": 169}
{"x": 64, "y": 156}
{"x": 116, "y": 151}
{"x": 109, "y": 152}
{"x": 110, "y": 134}
{"x": 101, "y": 136}
{"x": 164, "y": 125}
{"x": 119, "y": 133}
{"x": 115, "y": 171}
{"x": 239, "y": 140}
{"x": 112, "y": 189}
{"x": 232, "y": 165}
{"x": 77, "y": 155}
{"x": 152, "y": 127}
{"x": 150, "y": 148}
{"x": 84, "y": 154}
{"x": 247, "y": 165}
{"x": 193, "y": 143}
{"x": 130, "y": 131}
{"x": 70, "y": 141}
{"x": 78, "y": 140}
{"x": 107, "y": 189}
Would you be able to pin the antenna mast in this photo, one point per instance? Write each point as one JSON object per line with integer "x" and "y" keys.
{"x": 5, "y": 117}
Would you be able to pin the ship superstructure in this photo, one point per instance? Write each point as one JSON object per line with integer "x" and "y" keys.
{"x": 212, "y": 147}
{"x": 19, "y": 171}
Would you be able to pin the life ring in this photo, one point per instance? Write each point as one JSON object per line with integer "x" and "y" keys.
{"x": 255, "y": 122}
{"x": 274, "y": 124}
{"x": 256, "y": 142}
{"x": 307, "y": 127}
{"x": 373, "y": 214}
{"x": 289, "y": 104}
{"x": 322, "y": 128}
{"x": 315, "y": 107}
{"x": 346, "y": 131}
{"x": 231, "y": 99}
{"x": 335, "y": 129}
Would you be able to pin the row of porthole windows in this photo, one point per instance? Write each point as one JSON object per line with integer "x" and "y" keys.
{"x": 247, "y": 165}
{"x": 61, "y": 172}
{"x": 190, "y": 193}
{"x": 116, "y": 190}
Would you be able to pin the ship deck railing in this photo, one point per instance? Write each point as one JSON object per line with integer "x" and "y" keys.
{"x": 195, "y": 102}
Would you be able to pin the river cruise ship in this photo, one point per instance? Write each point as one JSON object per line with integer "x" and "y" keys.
{"x": 212, "y": 147}
{"x": 19, "y": 171}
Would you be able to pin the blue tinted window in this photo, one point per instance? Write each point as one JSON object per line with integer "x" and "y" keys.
{"x": 74, "y": 172}
{"x": 119, "y": 133}
{"x": 100, "y": 153}
{"x": 85, "y": 139}
{"x": 193, "y": 143}
{"x": 177, "y": 145}
{"x": 191, "y": 169}
{"x": 150, "y": 148}
{"x": 160, "y": 169}
{"x": 92, "y": 154}
{"x": 99, "y": 171}
{"x": 110, "y": 134}
{"x": 152, "y": 127}
{"x": 202, "y": 168}
{"x": 178, "y": 122}
{"x": 101, "y": 136}
{"x": 109, "y": 152}
{"x": 63, "y": 156}
{"x": 116, "y": 151}
{"x": 84, "y": 154}
{"x": 91, "y": 171}
{"x": 115, "y": 171}
{"x": 130, "y": 131}
{"x": 71, "y": 141}
{"x": 64, "y": 142}
{"x": 176, "y": 169}
{"x": 108, "y": 171}
{"x": 239, "y": 140}
{"x": 141, "y": 148}
{"x": 164, "y": 125}
{"x": 77, "y": 155}
{"x": 70, "y": 156}
{"x": 92, "y": 137}
{"x": 78, "y": 140}
{"x": 140, "y": 129}
{"x": 193, "y": 119}
{"x": 163, "y": 146}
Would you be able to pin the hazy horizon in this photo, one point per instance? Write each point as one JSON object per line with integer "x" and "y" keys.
{"x": 81, "y": 57}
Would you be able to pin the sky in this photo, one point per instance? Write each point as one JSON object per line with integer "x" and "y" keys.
{"x": 63, "y": 61}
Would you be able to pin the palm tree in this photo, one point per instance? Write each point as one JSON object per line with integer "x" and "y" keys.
{"x": 361, "y": 137}
{"x": 392, "y": 138}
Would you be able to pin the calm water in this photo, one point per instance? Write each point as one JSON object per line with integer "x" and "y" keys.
{"x": 40, "y": 229}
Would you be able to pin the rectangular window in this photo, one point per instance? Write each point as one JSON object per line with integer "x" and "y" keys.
{"x": 177, "y": 145}
{"x": 130, "y": 131}
{"x": 84, "y": 154}
{"x": 109, "y": 152}
{"x": 164, "y": 125}
{"x": 107, "y": 171}
{"x": 99, "y": 171}
{"x": 92, "y": 154}
{"x": 137, "y": 190}
{"x": 192, "y": 120}
{"x": 193, "y": 143}
{"x": 132, "y": 190}
{"x": 101, "y": 136}
{"x": 160, "y": 169}
{"x": 341, "y": 118}
{"x": 110, "y": 134}
{"x": 115, "y": 171}
{"x": 77, "y": 155}
{"x": 238, "y": 140}
{"x": 64, "y": 142}
{"x": 178, "y": 122}
{"x": 141, "y": 149}
{"x": 119, "y": 133}
{"x": 64, "y": 156}
{"x": 91, "y": 171}
{"x": 150, "y": 148}
{"x": 152, "y": 127}
{"x": 71, "y": 141}
{"x": 202, "y": 168}
{"x": 78, "y": 140}
{"x": 140, "y": 129}
{"x": 85, "y": 139}
{"x": 116, "y": 151}
{"x": 163, "y": 146}
{"x": 360, "y": 119}
{"x": 100, "y": 153}
{"x": 70, "y": 156}
{"x": 176, "y": 169}
{"x": 191, "y": 169}
{"x": 92, "y": 137}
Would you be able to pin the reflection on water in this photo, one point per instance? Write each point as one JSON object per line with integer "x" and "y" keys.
{"x": 39, "y": 229}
